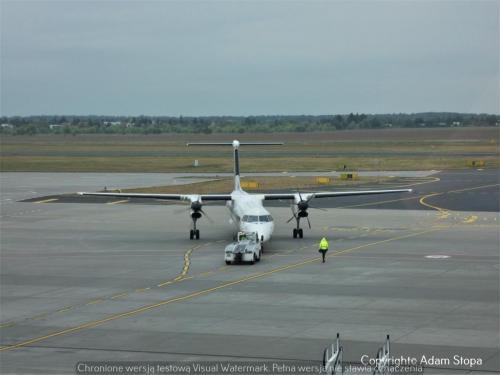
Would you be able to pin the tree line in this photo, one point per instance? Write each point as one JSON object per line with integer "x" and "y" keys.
{"x": 31, "y": 125}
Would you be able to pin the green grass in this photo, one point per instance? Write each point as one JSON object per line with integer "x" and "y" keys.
{"x": 413, "y": 149}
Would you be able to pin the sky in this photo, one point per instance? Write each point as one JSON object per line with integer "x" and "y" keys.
{"x": 196, "y": 58}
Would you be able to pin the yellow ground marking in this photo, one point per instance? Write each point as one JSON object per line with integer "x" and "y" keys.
{"x": 185, "y": 268}
{"x": 47, "y": 200}
{"x": 181, "y": 277}
{"x": 443, "y": 213}
{"x": 205, "y": 273}
{"x": 118, "y": 202}
{"x": 473, "y": 188}
{"x": 432, "y": 179}
{"x": 119, "y": 295}
{"x": 471, "y": 219}
{"x": 8, "y": 324}
{"x": 408, "y": 181}
{"x": 165, "y": 283}
{"x": 40, "y": 316}
{"x": 99, "y": 322}
{"x": 380, "y": 202}
{"x": 64, "y": 309}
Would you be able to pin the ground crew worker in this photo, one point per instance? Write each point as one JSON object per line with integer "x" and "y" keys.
{"x": 323, "y": 247}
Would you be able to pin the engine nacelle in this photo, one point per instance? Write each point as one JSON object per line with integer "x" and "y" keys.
{"x": 196, "y": 214}
{"x": 196, "y": 207}
{"x": 302, "y": 213}
{"x": 302, "y": 206}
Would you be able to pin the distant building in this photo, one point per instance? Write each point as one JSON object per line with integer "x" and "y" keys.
{"x": 112, "y": 122}
{"x": 456, "y": 123}
{"x": 54, "y": 126}
{"x": 7, "y": 126}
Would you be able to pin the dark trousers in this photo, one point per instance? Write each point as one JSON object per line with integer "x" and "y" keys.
{"x": 323, "y": 253}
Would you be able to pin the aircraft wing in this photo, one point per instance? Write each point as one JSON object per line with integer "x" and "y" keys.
{"x": 332, "y": 194}
{"x": 172, "y": 197}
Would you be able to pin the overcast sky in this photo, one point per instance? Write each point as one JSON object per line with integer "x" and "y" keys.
{"x": 248, "y": 58}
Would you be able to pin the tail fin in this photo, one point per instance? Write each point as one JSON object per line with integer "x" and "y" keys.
{"x": 236, "y": 145}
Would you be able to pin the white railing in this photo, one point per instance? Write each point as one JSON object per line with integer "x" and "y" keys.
{"x": 383, "y": 359}
{"x": 332, "y": 359}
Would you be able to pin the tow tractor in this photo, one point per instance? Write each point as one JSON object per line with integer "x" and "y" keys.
{"x": 246, "y": 248}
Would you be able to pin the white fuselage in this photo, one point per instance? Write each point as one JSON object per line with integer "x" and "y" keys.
{"x": 249, "y": 214}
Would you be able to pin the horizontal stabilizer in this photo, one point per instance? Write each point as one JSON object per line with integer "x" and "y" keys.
{"x": 232, "y": 144}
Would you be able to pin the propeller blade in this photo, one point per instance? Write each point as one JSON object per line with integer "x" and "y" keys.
{"x": 181, "y": 210}
{"x": 208, "y": 217}
{"x": 293, "y": 213}
{"x": 308, "y": 222}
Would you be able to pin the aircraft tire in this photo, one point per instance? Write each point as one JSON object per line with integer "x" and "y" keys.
{"x": 301, "y": 233}
{"x": 197, "y": 234}
{"x": 191, "y": 234}
{"x": 228, "y": 262}
{"x": 295, "y": 233}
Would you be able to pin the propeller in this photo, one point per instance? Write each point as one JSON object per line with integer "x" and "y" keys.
{"x": 208, "y": 217}
{"x": 293, "y": 217}
{"x": 302, "y": 207}
{"x": 308, "y": 222}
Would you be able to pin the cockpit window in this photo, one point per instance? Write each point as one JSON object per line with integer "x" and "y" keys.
{"x": 256, "y": 219}
{"x": 250, "y": 219}
{"x": 265, "y": 218}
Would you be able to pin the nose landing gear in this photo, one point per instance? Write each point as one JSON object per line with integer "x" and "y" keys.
{"x": 194, "y": 234}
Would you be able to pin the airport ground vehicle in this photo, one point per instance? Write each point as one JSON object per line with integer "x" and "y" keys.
{"x": 246, "y": 248}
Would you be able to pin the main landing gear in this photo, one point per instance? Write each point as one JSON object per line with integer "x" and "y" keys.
{"x": 298, "y": 232}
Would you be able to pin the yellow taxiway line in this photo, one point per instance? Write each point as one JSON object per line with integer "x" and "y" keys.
{"x": 473, "y": 188}
{"x": 443, "y": 213}
{"x": 113, "y": 317}
{"x": 379, "y": 202}
{"x": 469, "y": 220}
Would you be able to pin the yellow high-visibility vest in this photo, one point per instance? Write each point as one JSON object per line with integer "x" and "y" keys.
{"x": 323, "y": 244}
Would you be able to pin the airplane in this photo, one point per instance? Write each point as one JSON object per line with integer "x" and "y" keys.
{"x": 247, "y": 210}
